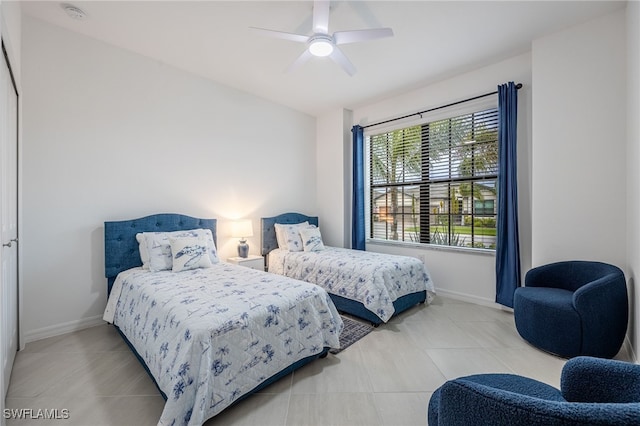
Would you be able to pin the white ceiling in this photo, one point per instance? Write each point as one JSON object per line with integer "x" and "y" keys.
{"x": 433, "y": 40}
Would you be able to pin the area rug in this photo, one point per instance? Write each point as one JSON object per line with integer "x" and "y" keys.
{"x": 351, "y": 333}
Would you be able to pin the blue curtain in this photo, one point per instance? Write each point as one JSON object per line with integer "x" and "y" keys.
{"x": 357, "y": 227}
{"x": 507, "y": 245}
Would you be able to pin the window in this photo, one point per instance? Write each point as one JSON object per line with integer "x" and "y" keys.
{"x": 435, "y": 183}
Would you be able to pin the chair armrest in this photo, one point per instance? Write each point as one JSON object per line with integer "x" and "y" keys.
{"x": 603, "y": 308}
{"x": 591, "y": 295}
{"x": 588, "y": 379}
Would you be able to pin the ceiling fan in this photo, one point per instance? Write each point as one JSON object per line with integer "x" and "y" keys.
{"x": 321, "y": 43}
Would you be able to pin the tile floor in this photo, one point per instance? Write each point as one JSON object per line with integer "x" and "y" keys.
{"x": 384, "y": 379}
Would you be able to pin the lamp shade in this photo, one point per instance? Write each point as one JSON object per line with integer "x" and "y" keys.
{"x": 241, "y": 229}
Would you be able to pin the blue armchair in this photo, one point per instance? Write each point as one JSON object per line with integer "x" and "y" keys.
{"x": 594, "y": 391}
{"x": 573, "y": 308}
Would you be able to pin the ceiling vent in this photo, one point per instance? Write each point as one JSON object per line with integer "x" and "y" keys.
{"x": 73, "y": 11}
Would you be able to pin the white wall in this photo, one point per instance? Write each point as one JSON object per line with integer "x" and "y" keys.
{"x": 334, "y": 178}
{"x": 633, "y": 171}
{"x": 111, "y": 135}
{"x": 466, "y": 274}
{"x": 579, "y": 149}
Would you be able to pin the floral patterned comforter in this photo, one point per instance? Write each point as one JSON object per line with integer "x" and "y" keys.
{"x": 209, "y": 336}
{"x": 374, "y": 279}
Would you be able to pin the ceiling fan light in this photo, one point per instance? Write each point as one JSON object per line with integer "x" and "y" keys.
{"x": 320, "y": 48}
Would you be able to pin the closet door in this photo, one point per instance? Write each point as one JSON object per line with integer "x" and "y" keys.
{"x": 8, "y": 219}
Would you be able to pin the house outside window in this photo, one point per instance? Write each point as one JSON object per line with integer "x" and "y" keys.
{"x": 435, "y": 183}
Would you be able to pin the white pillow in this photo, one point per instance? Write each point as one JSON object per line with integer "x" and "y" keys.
{"x": 159, "y": 247}
{"x": 189, "y": 253}
{"x": 288, "y": 236}
{"x": 311, "y": 239}
{"x": 144, "y": 253}
{"x": 159, "y": 250}
{"x": 281, "y": 233}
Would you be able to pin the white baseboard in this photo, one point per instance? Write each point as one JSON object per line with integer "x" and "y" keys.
{"x": 626, "y": 352}
{"x": 58, "y": 329}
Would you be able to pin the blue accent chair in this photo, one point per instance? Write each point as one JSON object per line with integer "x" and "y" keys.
{"x": 594, "y": 391}
{"x": 573, "y": 308}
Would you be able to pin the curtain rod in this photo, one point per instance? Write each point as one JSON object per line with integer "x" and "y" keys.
{"x": 518, "y": 86}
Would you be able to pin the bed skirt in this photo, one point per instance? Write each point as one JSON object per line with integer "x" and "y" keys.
{"x": 357, "y": 309}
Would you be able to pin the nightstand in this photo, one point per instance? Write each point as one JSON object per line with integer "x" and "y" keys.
{"x": 252, "y": 261}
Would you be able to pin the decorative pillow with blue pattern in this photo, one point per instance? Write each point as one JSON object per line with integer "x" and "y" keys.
{"x": 189, "y": 253}
{"x": 288, "y": 236}
{"x": 311, "y": 239}
{"x": 158, "y": 247}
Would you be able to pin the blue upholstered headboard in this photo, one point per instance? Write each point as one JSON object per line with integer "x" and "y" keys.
{"x": 120, "y": 245}
{"x": 268, "y": 235}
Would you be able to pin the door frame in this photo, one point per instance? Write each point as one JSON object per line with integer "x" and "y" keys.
{"x": 4, "y": 380}
{"x": 20, "y": 342}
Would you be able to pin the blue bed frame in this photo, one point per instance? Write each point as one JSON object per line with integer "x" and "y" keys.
{"x": 351, "y": 307}
{"x": 122, "y": 253}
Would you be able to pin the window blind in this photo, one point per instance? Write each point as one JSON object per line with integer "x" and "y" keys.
{"x": 435, "y": 182}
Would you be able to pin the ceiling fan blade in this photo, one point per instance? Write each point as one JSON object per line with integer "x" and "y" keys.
{"x": 321, "y": 16}
{"x": 280, "y": 34}
{"x": 344, "y": 37}
{"x": 304, "y": 57}
{"x": 340, "y": 59}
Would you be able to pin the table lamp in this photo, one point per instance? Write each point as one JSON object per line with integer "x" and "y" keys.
{"x": 242, "y": 229}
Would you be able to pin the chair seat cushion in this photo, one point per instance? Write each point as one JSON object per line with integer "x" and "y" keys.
{"x": 556, "y": 297}
{"x": 553, "y": 307}
{"x": 495, "y": 383}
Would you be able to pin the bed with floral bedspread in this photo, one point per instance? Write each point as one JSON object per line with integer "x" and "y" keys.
{"x": 210, "y": 336}
{"x": 373, "y": 286}
{"x": 374, "y": 279}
